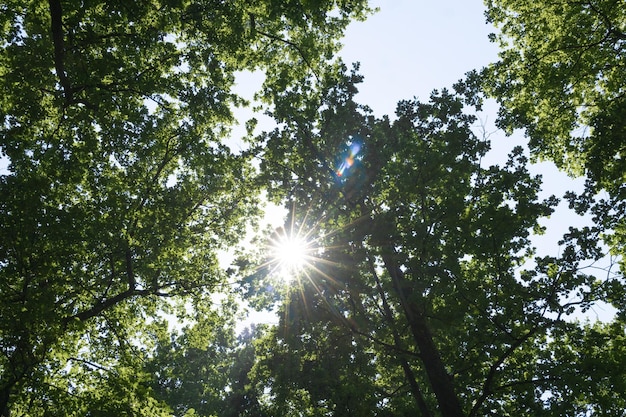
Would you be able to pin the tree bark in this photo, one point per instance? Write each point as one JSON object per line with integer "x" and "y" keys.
{"x": 56, "y": 27}
{"x": 5, "y": 393}
{"x": 406, "y": 368}
{"x": 440, "y": 381}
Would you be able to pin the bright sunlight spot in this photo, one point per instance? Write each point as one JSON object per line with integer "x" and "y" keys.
{"x": 291, "y": 254}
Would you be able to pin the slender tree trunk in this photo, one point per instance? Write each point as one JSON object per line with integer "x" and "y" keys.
{"x": 440, "y": 381}
{"x": 415, "y": 389}
{"x": 406, "y": 368}
{"x": 5, "y": 394}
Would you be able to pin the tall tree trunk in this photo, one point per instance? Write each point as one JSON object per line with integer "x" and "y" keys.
{"x": 406, "y": 368}
{"x": 438, "y": 377}
{"x": 5, "y": 394}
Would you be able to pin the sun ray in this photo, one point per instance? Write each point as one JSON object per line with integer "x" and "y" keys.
{"x": 290, "y": 252}
{"x": 299, "y": 247}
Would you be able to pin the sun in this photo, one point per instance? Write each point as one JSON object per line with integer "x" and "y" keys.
{"x": 290, "y": 254}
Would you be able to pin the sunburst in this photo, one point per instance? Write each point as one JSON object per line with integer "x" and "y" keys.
{"x": 298, "y": 249}
{"x": 291, "y": 253}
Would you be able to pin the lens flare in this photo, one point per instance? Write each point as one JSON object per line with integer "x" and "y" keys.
{"x": 348, "y": 161}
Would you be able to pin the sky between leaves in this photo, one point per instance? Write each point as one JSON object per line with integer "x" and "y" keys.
{"x": 407, "y": 49}
{"x": 410, "y": 47}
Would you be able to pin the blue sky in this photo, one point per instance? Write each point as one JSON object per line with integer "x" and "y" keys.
{"x": 410, "y": 47}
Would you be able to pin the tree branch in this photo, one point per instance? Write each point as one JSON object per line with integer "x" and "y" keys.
{"x": 440, "y": 380}
{"x": 486, "y": 391}
{"x": 56, "y": 26}
{"x": 287, "y": 42}
{"x": 90, "y": 364}
{"x": 406, "y": 368}
{"x": 101, "y": 306}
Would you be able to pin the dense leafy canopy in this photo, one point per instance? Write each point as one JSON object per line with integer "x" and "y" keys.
{"x": 120, "y": 189}
{"x": 561, "y": 78}
{"x": 423, "y": 293}
{"x": 427, "y": 289}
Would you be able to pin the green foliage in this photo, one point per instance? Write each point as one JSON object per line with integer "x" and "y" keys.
{"x": 425, "y": 295}
{"x": 121, "y": 189}
{"x": 561, "y": 78}
{"x": 426, "y": 287}
{"x": 189, "y": 369}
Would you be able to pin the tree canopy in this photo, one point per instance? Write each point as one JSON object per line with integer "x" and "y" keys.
{"x": 560, "y": 77}
{"x": 121, "y": 189}
{"x": 421, "y": 291}
{"x": 427, "y": 288}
